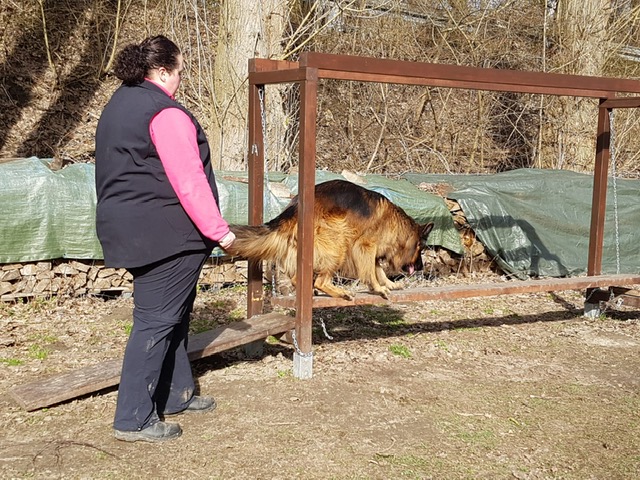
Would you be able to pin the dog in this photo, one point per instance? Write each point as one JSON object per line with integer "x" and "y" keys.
{"x": 358, "y": 233}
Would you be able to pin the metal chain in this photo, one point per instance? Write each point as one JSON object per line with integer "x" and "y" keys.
{"x": 324, "y": 329}
{"x": 614, "y": 173}
{"x": 612, "y": 155}
{"x": 295, "y": 345}
{"x": 274, "y": 280}
{"x": 263, "y": 121}
{"x": 295, "y": 340}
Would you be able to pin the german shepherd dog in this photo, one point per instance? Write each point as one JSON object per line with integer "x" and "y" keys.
{"x": 357, "y": 232}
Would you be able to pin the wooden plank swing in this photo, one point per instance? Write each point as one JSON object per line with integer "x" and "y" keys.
{"x": 311, "y": 68}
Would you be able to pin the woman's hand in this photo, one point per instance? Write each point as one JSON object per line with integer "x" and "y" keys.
{"x": 226, "y": 241}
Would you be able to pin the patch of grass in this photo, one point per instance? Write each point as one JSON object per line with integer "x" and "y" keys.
{"x": 420, "y": 467}
{"x": 384, "y": 315}
{"x": 413, "y": 466}
{"x": 404, "y": 460}
{"x": 400, "y": 350}
{"x": 476, "y": 432}
{"x": 218, "y": 304}
{"x": 39, "y": 349}
{"x": 467, "y": 329}
{"x": 284, "y": 373}
{"x": 44, "y": 338}
{"x": 43, "y": 304}
{"x": 442, "y": 345}
{"x": 237, "y": 315}
{"x": 575, "y": 389}
{"x": 534, "y": 402}
{"x": 100, "y": 455}
{"x": 484, "y": 438}
{"x": 214, "y": 313}
{"x": 237, "y": 288}
{"x": 12, "y": 362}
{"x": 200, "y": 326}
{"x": 631, "y": 402}
{"x": 6, "y": 310}
{"x": 38, "y": 352}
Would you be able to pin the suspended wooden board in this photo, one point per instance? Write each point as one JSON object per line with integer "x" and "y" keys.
{"x": 453, "y": 292}
{"x": 60, "y": 388}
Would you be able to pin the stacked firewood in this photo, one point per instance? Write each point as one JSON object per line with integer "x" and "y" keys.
{"x": 59, "y": 277}
{"x": 440, "y": 261}
{"x": 80, "y": 277}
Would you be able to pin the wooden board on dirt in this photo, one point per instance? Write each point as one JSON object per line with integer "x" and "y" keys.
{"x": 60, "y": 388}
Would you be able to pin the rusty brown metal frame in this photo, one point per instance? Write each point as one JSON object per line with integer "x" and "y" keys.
{"x": 313, "y": 67}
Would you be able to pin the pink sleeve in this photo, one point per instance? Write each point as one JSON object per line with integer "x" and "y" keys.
{"x": 174, "y": 135}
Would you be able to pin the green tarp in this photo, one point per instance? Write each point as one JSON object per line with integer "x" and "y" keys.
{"x": 534, "y": 222}
{"x": 47, "y": 214}
{"x": 537, "y": 222}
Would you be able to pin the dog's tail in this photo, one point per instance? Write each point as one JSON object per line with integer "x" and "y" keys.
{"x": 260, "y": 242}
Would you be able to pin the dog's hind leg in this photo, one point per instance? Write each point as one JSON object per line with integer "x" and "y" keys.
{"x": 324, "y": 283}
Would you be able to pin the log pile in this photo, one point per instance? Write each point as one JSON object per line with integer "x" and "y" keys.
{"x": 440, "y": 261}
{"x": 69, "y": 278}
{"x": 72, "y": 278}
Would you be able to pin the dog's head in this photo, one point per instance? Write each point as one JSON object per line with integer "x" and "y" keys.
{"x": 408, "y": 256}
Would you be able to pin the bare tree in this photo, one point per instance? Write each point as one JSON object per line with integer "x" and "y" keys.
{"x": 581, "y": 30}
{"x": 247, "y": 29}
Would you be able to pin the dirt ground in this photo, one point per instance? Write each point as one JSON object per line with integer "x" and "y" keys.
{"x": 518, "y": 387}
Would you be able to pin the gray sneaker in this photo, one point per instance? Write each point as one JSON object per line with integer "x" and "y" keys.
{"x": 158, "y": 432}
{"x": 198, "y": 405}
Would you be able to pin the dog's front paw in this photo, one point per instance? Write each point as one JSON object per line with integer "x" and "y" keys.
{"x": 347, "y": 296}
{"x": 394, "y": 285}
{"x": 382, "y": 291}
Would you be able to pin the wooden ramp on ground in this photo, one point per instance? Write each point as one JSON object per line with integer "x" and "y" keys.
{"x": 60, "y": 388}
{"x": 453, "y": 292}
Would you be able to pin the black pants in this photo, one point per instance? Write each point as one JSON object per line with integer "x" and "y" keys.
{"x": 156, "y": 372}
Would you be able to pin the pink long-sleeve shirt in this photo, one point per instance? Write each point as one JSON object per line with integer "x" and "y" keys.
{"x": 174, "y": 135}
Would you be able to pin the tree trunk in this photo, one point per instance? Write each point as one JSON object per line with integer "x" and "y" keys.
{"x": 583, "y": 36}
{"x": 247, "y": 29}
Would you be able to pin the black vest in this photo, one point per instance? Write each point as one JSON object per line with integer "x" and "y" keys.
{"x": 139, "y": 219}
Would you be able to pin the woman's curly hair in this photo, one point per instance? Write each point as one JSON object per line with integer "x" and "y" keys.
{"x": 135, "y": 60}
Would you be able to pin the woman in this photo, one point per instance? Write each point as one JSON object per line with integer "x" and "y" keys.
{"x": 158, "y": 217}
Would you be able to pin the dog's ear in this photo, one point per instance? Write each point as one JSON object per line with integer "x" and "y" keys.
{"x": 424, "y": 232}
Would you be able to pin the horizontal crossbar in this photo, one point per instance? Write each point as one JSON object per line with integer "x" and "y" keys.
{"x": 366, "y": 69}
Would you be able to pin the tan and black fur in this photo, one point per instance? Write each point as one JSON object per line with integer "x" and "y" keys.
{"x": 356, "y": 233}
